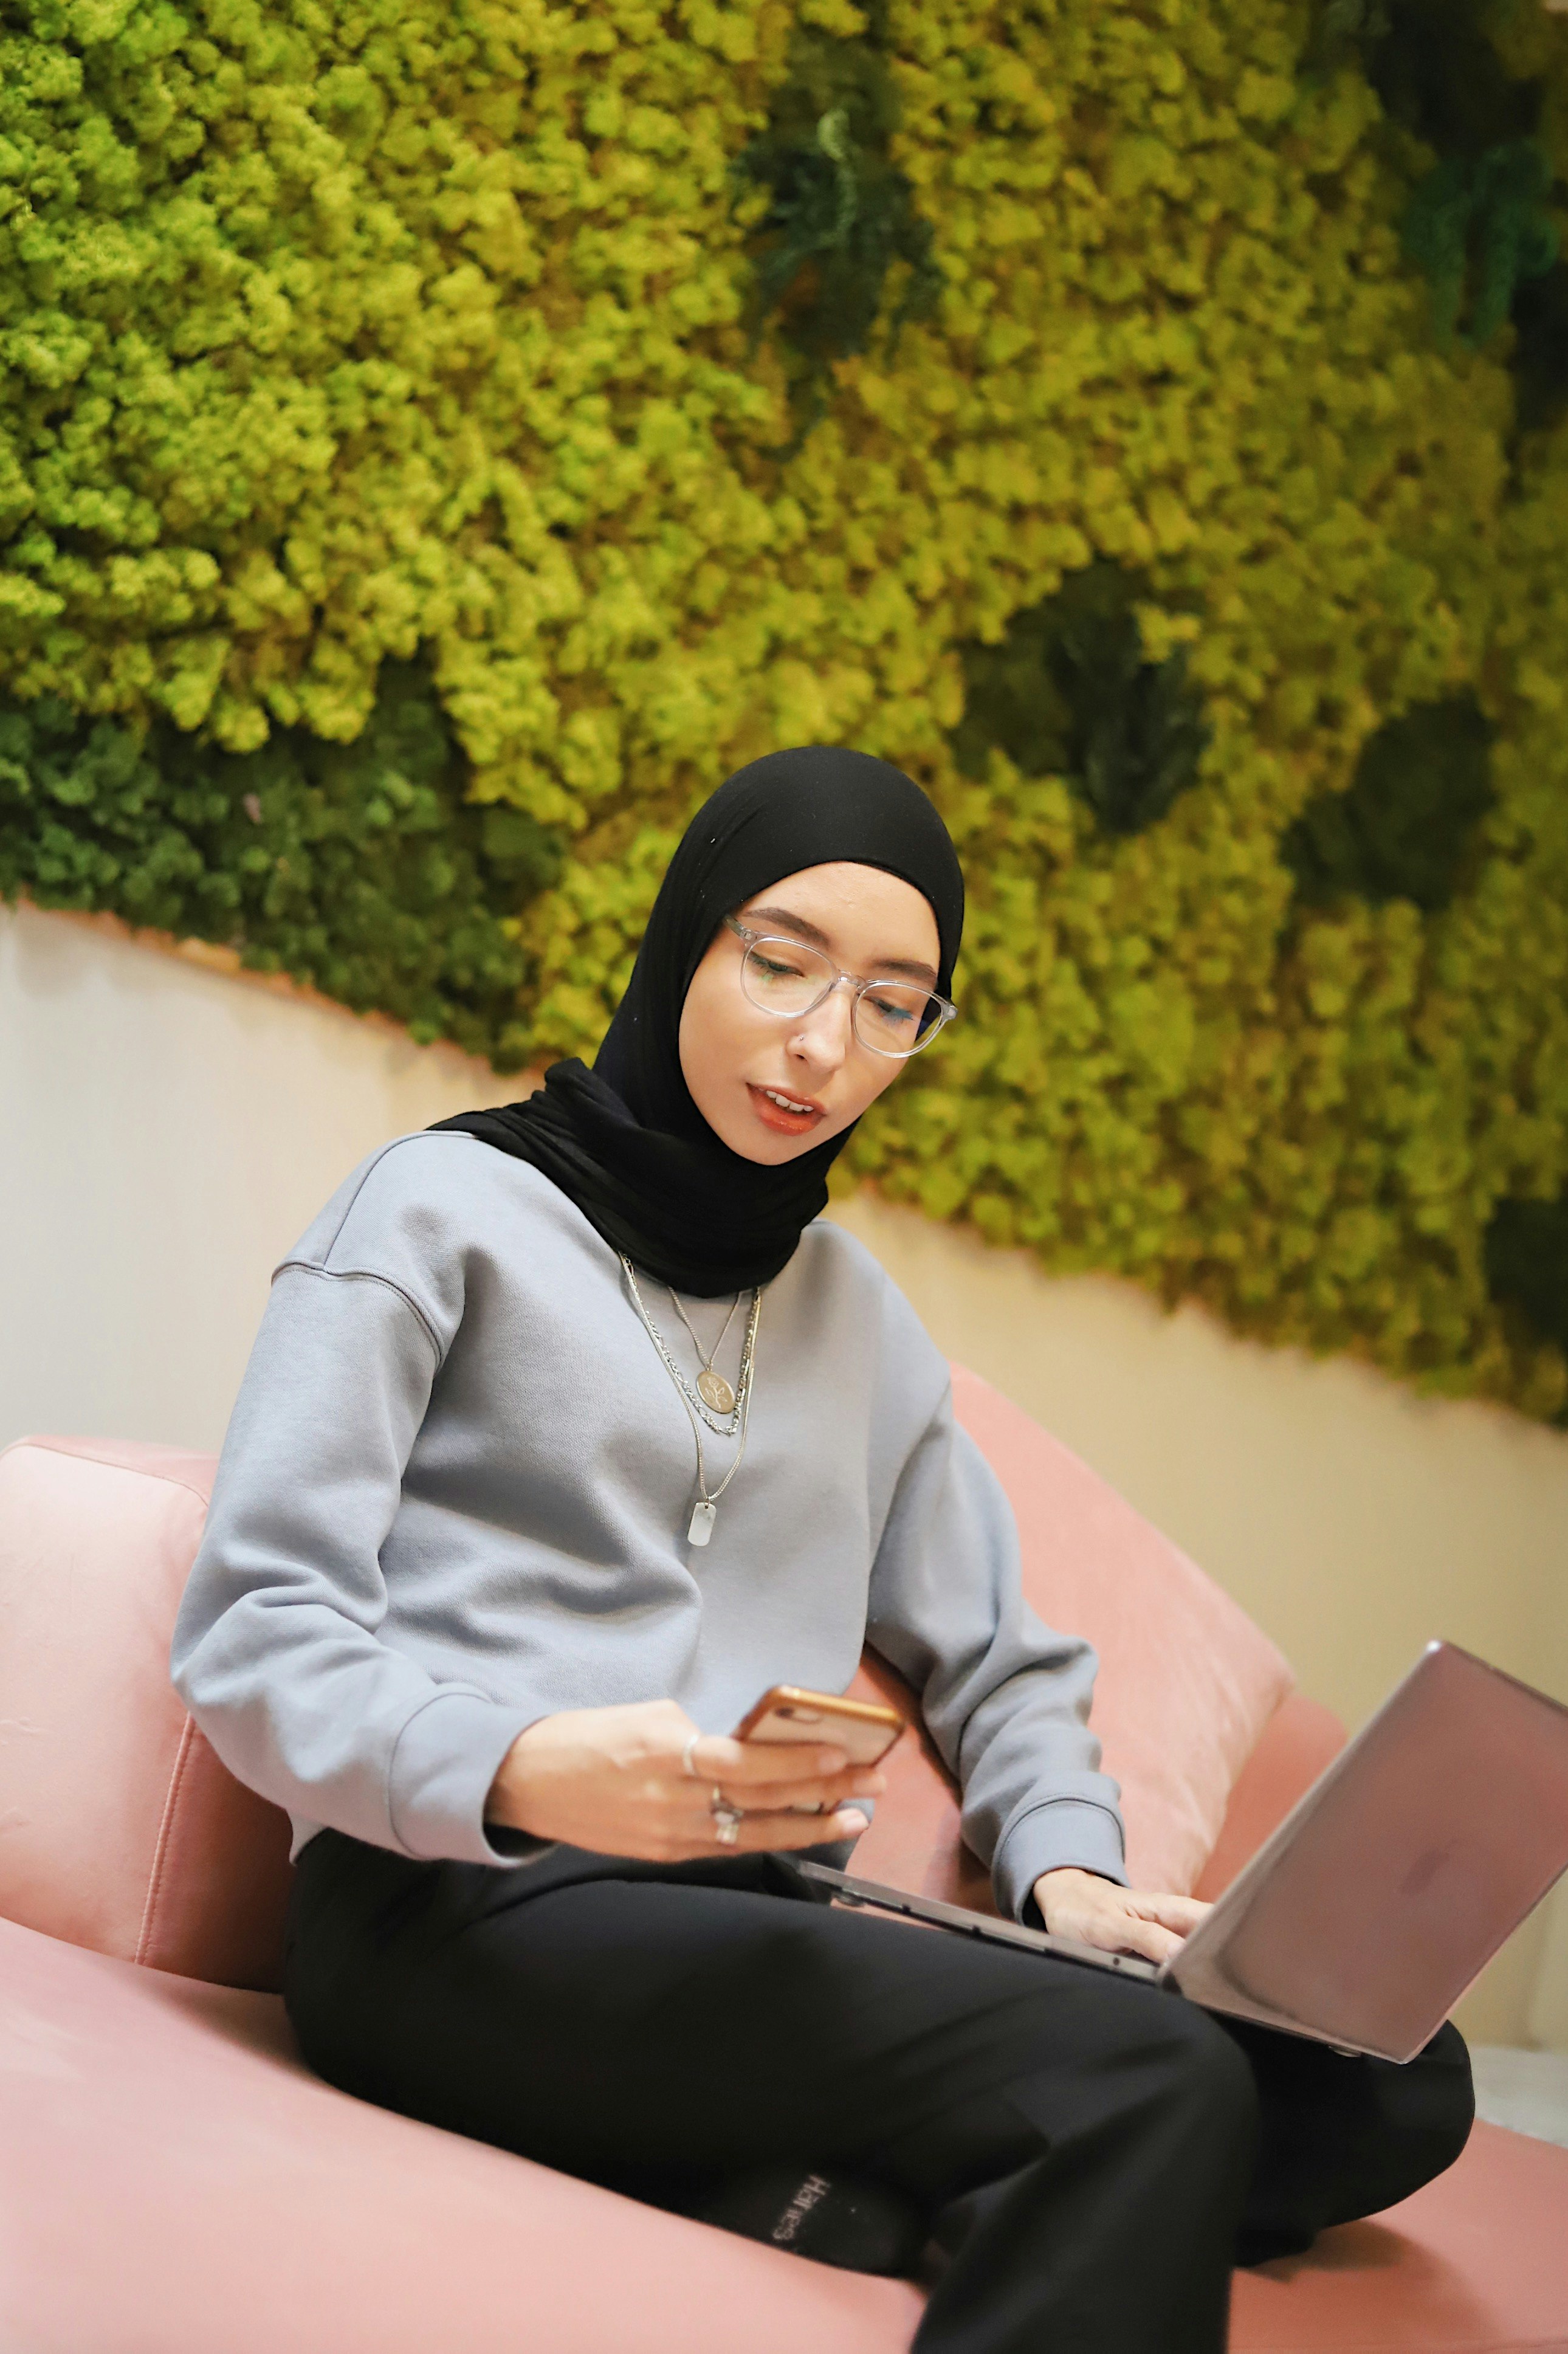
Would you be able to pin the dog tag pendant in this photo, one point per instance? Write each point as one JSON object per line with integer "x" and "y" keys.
{"x": 703, "y": 1515}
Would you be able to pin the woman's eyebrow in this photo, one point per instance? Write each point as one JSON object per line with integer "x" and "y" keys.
{"x": 798, "y": 924}
{"x": 819, "y": 939}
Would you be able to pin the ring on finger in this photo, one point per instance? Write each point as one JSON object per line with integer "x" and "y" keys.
{"x": 728, "y": 1819}
{"x": 686, "y": 1764}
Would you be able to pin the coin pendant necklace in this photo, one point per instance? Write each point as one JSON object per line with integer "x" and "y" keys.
{"x": 704, "y": 1510}
{"x": 712, "y": 1387}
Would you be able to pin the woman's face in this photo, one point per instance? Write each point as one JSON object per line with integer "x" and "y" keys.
{"x": 772, "y": 1086}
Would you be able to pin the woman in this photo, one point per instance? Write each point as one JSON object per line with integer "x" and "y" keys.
{"x": 570, "y": 1430}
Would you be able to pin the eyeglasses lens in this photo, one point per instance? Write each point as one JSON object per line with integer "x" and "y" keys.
{"x": 784, "y": 979}
{"x": 894, "y": 1018}
{"x": 891, "y": 1018}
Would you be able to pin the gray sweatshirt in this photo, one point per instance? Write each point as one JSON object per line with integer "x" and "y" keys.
{"x": 454, "y": 1497}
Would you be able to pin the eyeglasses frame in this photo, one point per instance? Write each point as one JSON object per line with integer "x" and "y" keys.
{"x": 858, "y": 987}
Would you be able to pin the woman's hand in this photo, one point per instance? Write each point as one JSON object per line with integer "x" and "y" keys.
{"x": 613, "y": 1780}
{"x": 1096, "y": 1912}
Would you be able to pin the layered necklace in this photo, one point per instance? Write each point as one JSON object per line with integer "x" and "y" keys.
{"x": 726, "y": 1411}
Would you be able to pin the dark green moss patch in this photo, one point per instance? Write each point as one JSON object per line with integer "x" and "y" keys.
{"x": 1479, "y": 223}
{"x": 1069, "y": 692}
{"x": 1527, "y": 1265}
{"x": 358, "y": 868}
{"x": 1403, "y": 828}
{"x": 841, "y": 247}
{"x": 1541, "y": 349}
{"x": 1481, "y": 228}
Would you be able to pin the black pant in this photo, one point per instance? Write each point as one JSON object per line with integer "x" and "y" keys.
{"x": 1094, "y": 2153}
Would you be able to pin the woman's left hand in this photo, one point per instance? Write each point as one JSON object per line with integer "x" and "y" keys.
{"x": 1096, "y": 1912}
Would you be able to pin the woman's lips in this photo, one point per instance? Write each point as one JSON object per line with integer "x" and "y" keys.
{"x": 774, "y": 1115}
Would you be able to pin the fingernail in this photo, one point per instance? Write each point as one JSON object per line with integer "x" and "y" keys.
{"x": 854, "y": 1820}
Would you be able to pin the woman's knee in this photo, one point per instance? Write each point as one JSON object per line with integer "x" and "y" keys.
{"x": 1418, "y": 2123}
{"x": 1340, "y": 2146}
{"x": 1430, "y": 2105}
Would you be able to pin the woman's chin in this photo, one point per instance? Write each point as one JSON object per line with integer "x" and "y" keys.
{"x": 769, "y": 1151}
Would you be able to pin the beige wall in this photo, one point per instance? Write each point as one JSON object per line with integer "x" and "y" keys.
{"x": 165, "y": 1133}
{"x": 167, "y": 1130}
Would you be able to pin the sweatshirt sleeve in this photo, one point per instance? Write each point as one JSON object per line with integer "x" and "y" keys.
{"x": 277, "y": 1649}
{"x": 1006, "y": 1700}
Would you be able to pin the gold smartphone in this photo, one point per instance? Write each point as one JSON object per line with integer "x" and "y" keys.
{"x": 863, "y": 1729}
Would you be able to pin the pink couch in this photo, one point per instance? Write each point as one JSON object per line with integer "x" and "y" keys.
{"x": 175, "y": 2182}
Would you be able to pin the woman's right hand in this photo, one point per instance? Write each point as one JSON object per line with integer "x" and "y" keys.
{"x": 613, "y": 1780}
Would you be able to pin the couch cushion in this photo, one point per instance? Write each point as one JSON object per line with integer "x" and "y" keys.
{"x": 1301, "y": 1738}
{"x": 1187, "y": 1682}
{"x": 236, "y": 2200}
{"x": 1476, "y": 2264}
{"x": 172, "y": 2178}
{"x": 122, "y": 1830}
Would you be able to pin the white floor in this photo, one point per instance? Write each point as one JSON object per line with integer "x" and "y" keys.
{"x": 1526, "y": 2090}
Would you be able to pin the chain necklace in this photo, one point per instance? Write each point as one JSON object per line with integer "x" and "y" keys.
{"x": 705, "y": 1511}
{"x": 712, "y": 1388}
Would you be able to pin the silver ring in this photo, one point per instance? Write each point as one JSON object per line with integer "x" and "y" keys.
{"x": 686, "y": 1764}
{"x": 728, "y": 1819}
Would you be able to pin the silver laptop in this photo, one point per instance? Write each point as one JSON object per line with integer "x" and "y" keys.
{"x": 1393, "y": 1881}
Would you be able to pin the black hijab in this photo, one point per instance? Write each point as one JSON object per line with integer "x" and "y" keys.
{"x": 625, "y": 1141}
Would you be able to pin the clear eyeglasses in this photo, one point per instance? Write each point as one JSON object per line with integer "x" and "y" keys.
{"x": 889, "y": 1017}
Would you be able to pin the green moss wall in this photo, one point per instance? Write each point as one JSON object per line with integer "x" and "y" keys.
{"x": 405, "y": 518}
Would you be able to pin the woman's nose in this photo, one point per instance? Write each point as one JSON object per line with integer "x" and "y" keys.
{"x": 823, "y": 1035}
